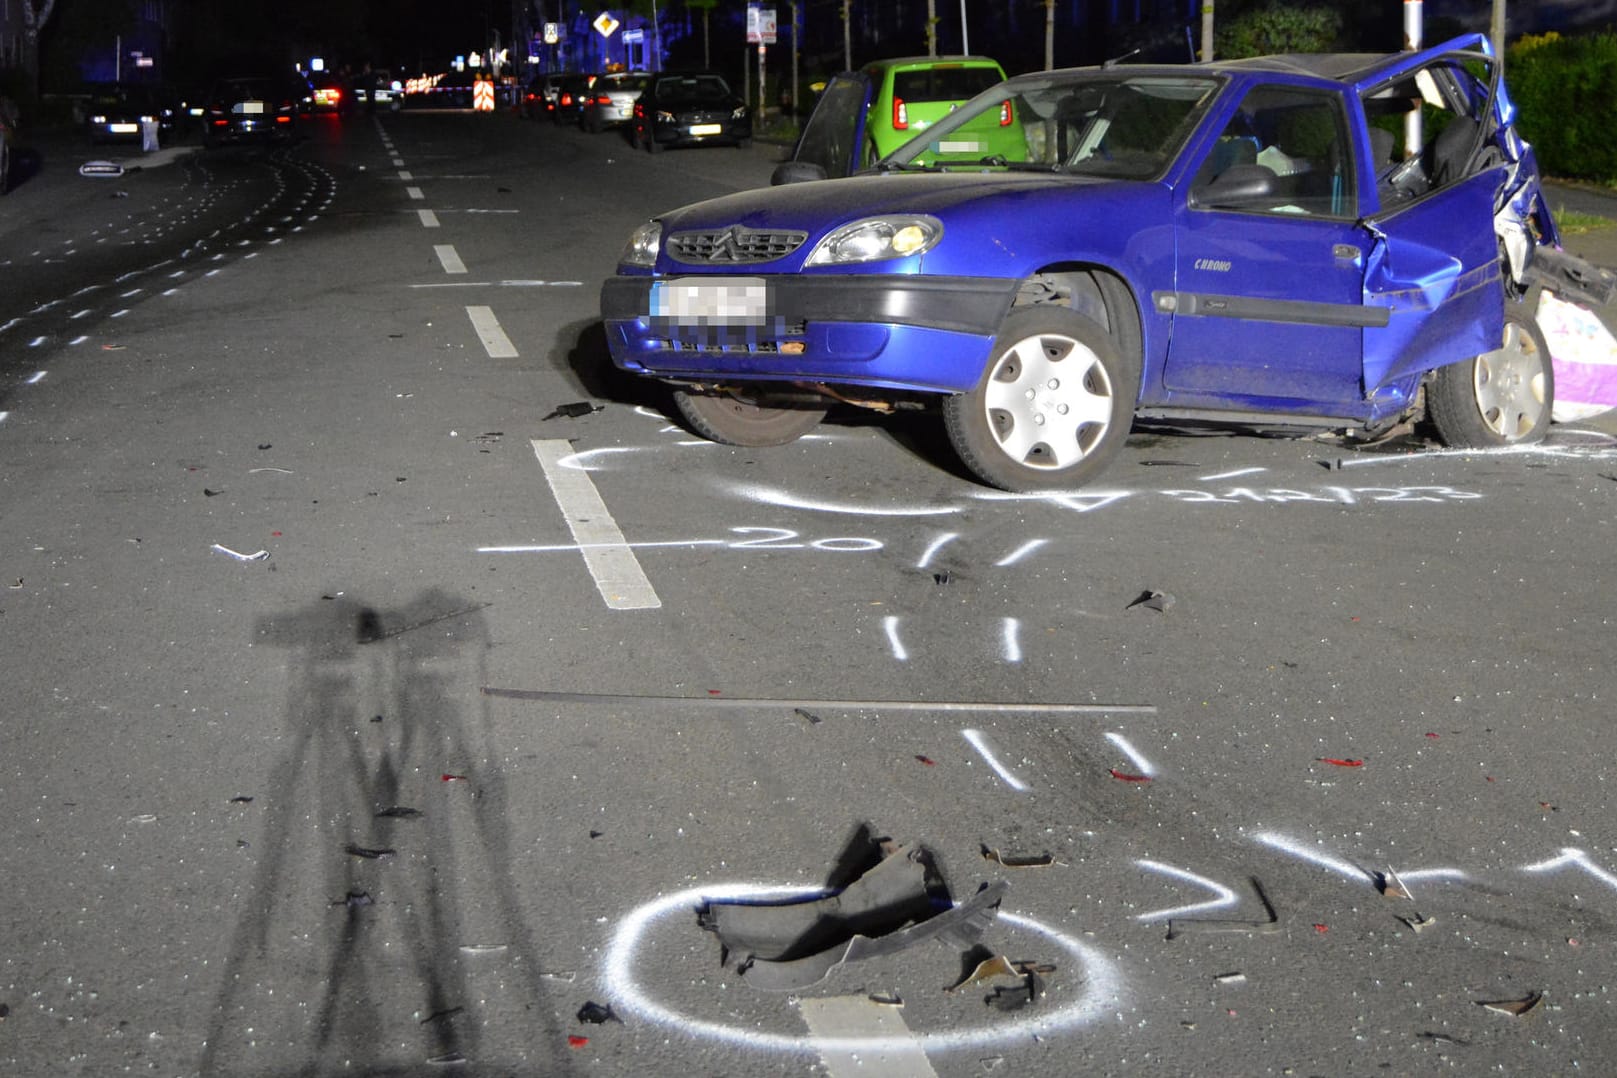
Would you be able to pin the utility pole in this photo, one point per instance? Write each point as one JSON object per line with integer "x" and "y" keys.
{"x": 1207, "y": 31}
{"x": 1496, "y": 30}
{"x": 931, "y": 27}
{"x": 1049, "y": 35}
{"x": 847, "y": 36}
{"x": 1412, "y": 38}
{"x": 795, "y": 82}
{"x": 965, "y": 36}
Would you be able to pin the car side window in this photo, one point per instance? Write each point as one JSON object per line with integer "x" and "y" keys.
{"x": 1429, "y": 130}
{"x": 833, "y": 127}
{"x": 1285, "y": 151}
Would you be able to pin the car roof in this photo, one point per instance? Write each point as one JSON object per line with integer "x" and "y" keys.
{"x": 933, "y": 61}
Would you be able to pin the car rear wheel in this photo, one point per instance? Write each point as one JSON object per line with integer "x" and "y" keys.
{"x": 739, "y": 419}
{"x": 1053, "y": 407}
{"x": 1503, "y": 397}
{"x": 652, "y": 145}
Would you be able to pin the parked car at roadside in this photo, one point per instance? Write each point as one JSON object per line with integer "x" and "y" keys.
{"x": 252, "y": 109}
{"x": 571, "y": 92}
{"x": 1246, "y": 243}
{"x": 690, "y": 108}
{"x": 114, "y": 112}
{"x": 539, "y": 97}
{"x": 610, "y": 100}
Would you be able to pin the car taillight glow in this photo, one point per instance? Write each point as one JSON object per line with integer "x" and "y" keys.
{"x": 901, "y": 115}
{"x": 1006, "y": 116}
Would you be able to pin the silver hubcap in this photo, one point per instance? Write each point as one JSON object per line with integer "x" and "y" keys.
{"x": 1049, "y": 401}
{"x": 1509, "y": 385}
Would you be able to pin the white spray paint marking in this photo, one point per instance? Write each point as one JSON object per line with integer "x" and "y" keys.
{"x": 1141, "y": 764}
{"x": 79, "y": 339}
{"x": 1010, "y": 637}
{"x": 1101, "y": 994}
{"x": 785, "y": 499}
{"x": 1303, "y": 853}
{"x": 1225, "y": 899}
{"x": 500, "y": 284}
{"x": 979, "y": 741}
{"x": 428, "y": 218}
{"x": 841, "y": 1019}
{"x": 889, "y": 626}
{"x": 1232, "y": 475}
{"x": 34, "y": 379}
{"x": 495, "y": 342}
{"x": 1020, "y": 552}
{"x": 449, "y": 258}
{"x": 1572, "y": 857}
{"x": 934, "y": 546}
{"x": 415, "y": 193}
{"x": 37, "y": 341}
{"x": 612, "y": 565}
{"x": 3, "y": 416}
{"x": 1078, "y": 503}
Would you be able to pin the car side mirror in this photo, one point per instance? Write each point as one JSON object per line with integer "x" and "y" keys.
{"x": 796, "y": 172}
{"x": 1238, "y": 185}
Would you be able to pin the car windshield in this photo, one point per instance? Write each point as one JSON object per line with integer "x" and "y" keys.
{"x": 945, "y": 82}
{"x": 1102, "y": 123}
{"x": 694, "y": 88}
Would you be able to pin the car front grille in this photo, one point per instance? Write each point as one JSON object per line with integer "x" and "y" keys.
{"x": 734, "y": 245}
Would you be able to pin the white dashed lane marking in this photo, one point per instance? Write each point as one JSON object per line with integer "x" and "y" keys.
{"x": 495, "y": 342}
{"x": 611, "y": 563}
{"x": 428, "y": 218}
{"x": 415, "y": 193}
{"x": 448, "y": 258}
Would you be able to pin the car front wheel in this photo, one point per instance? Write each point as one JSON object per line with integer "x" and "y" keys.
{"x": 737, "y": 419}
{"x": 1503, "y": 397}
{"x": 1053, "y": 407}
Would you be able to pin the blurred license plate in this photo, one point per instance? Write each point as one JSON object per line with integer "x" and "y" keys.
{"x": 713, "y": 301}
{"x": 123, "y": 129}
{"x": 707, "y": 129}
{"x": 252, "y": 108}
{"x": 957, "y": 146}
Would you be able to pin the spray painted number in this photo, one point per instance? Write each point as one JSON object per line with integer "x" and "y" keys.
{"x": 1331, "y": 495}
{"x": 783, "y": 539}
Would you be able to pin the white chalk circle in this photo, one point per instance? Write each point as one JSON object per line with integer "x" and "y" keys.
{"x": 1099, "y": 975}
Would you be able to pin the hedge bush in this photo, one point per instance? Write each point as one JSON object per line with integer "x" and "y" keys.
{"x": 1565, "y": 89}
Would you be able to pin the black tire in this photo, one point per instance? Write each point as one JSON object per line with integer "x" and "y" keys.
{"x": 744, "y": 143}
{"x": 736, "y": 419}
{"x": 1053, "y": 407}
{"x": 5, "y": 164}
{"x": 593, "y": 126}
{"x": 1499, "y": 398}
{"x": 652, "y": 145}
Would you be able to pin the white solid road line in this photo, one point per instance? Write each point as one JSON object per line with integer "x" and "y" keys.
{"x": 495, "y": 342}
{"x": 428, "y": 218}
{"x": 448, "y": 258}
{"x": 612, "y": 564}
{"x": 892, "y": 1052}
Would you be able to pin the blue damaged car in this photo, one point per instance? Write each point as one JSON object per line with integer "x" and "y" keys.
{"x": 1334, "y": 241}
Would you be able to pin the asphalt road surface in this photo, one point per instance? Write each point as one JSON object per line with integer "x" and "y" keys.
{"x": 364, "y": 715}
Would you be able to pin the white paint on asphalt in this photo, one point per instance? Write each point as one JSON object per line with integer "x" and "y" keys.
{"x": 495, "y": 342}
{"x": 839, "y": 1020}
{"x": 415, "y": 193}
{"x": 1141, "y": 764}
{"x": 404, "y": 174}
{"x": 979, "y": 741}
{"x": 34, "y": 379}
{"x": 1020, "y": 552}
{"x": 428, "y": 218}
{"x": 889, "y": 626}
{"x": 1223, "y": 896}
{"x": 448, "y": 258}
{"x": 611, "y": 564}
{"x": 500, "y": 284}
{"x": 933, "y": 547}
{"x": 1011, "y": 637}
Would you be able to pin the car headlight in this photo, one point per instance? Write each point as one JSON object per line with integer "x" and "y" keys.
{"x": 98, "y": 119}
{"x": 877, "y": 238}
{"x": 641, "y": 249}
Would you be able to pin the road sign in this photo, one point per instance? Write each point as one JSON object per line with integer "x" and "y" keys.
{"x": 605, "y": 24}
{"x": 760, "y": 25}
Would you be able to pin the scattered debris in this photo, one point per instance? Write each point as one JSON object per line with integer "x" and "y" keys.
{"x": 1321, "y": 928}
{"x": 1443, "y": 1038}
{"x": 575, "y": 1041}
{"x": 101, "y": 169}
{"x": 896, "y": 904}
{"x": 113, "y": 347}
{"x": 1418, "y": 922}
{"x": 941, "y": 579}
{"x": 1123, "y": 776}
{"x": 15, "y": 586}
{"x": 1390, "y": 885}
{"x": 1013, "y": 985}
{"x": 573, "y": 410}
{"x": 241, "y": 799}
{"x": 206, "y": 493}
{"x": 1269, "y": 923}
{"x": 991, "y": 1062}
{"x": 1038, "y": 860}
{"x": 1339, "y": 763}
{"x": 567, "y": 975}
{"x": 597, "y": 1015}
{"x": 355, "y": 900}
{"x": 262, "y": 555}
{"x": 484, "y": 948}
{"x": 813, "y": 719}
{"x": 398, "y": 812}
{"x": 886, "y": 999}
{"x": 447, "y": 777}
{"x": 596, "y": 834}
{"x": 1168, "y": 464}
{"x": 1230, "y": 978}
{"x": 1160, "y": 601}
{"x": 368, "y": 853}
{"x": 265, "y": 445}
{"x": 1513, "y": 1007}
{"x": 443, "y": 1060}
{"x": 927, "y": 760}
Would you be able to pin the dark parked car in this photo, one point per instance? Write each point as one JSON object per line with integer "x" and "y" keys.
{"x": 1246, "y": 242}
{"x": 571, "y": 91}
{"x": 690, "y": 109}
{"x": 115, "y": 112}
{"x": 252, "y": 109}
{"x": 539, "y": 97}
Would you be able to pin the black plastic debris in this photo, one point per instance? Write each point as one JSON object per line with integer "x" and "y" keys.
{"x": 355, "y": 900}
{"x": 241, "y": 799}
{"x": 807, "y": 716}
{"x": 573, "y": 410}
{"x": 439, "y": 1016}
{"x": 596, "y": 1015}
{"x": 940, "y": 579}
{"x": 1161, "y": 601}
{"x": 398, "y": 812}
{"x": 264, "y": 445}
{"x": 897, "y": 904}
{"x": 206, "y": 493}
{"x": 369, "y": 854}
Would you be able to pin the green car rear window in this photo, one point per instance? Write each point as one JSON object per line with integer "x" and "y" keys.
{"x": 944, "y": 83}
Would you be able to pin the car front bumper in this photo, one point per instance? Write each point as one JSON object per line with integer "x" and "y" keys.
{"x": 927, "y": 334}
